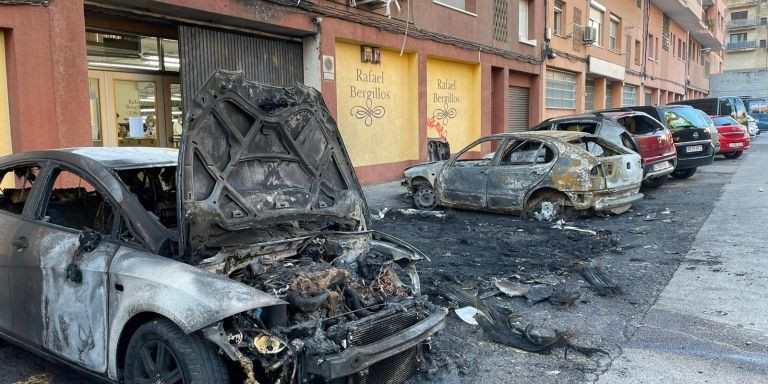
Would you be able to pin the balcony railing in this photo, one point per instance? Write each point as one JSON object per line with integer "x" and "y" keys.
{"x": 744, "y": 3}
{"x": 743, "y": 23}
{"x": 741, "y": 45}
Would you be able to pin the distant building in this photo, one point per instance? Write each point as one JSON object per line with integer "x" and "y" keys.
{"x": 746, "y": 55}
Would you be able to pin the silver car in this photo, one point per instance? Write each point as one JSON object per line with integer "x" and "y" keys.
{"x": 245, "y": 257}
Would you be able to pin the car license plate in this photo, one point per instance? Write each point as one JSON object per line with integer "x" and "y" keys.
{"x": 694, "y": 148}
{"x": 736, "y": 145}
{"x": 660, "y": 166}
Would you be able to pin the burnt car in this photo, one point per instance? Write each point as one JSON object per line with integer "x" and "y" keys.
{"x": 531, "y": 172}
{"x": 636, "y": 131}
{"x": 691, "y": 134}
{"x": 246, "y": 256}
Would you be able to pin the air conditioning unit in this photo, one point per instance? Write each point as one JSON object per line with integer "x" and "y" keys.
{"x": 590, "y": 35}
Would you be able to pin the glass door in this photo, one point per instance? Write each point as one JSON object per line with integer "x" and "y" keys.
{"x": 173, "y": 111}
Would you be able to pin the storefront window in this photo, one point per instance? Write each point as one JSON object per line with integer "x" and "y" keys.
{"x": 113, "y": 50}
{"x": 629, "y": 96}
{"x": 589, "y": 95}
{"x": 95, "y": 101}
{"x": 561, "y": 90}
{"x": 136, "y": 112}
{"x": 175, "y": 118}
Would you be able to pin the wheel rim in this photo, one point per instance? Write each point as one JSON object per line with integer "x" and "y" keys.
{"x": 425, "y": 198}
{"x": 157, "y": 364}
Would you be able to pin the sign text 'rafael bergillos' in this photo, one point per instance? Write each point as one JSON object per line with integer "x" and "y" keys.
{"x": 368, "y": 78}
{"x": 450, "y": 97}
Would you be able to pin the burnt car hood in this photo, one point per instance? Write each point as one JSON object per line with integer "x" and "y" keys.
{"x": 254, "y": 156}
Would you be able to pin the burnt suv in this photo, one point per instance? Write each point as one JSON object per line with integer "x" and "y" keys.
{"x": 246, "y": 256}
{"x": 633, "y": 130}
{"x": 690, "y": 133}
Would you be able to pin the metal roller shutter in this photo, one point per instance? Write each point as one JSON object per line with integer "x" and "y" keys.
{"x": 267, "y": 60}
{"x": 517, "y": 109}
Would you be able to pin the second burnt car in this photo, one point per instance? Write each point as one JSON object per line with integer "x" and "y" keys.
{"x": 244, "y": 257}
{"x": 531, "y": 172}
{"x": 636, "y": 131}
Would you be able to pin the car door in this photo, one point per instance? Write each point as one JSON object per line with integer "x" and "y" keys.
{"x": 16, "y": 183}
{"x": 462, "y": 181}
{"x": 63, "y": 279}
{"x": 522, "y": 164}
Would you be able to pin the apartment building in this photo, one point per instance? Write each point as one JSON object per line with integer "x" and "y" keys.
{"x": 747, "y": 28}
{"x": 630, "y": 52}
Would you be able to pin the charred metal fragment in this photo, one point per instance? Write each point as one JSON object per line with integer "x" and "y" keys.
{"x": 594, "y": 273}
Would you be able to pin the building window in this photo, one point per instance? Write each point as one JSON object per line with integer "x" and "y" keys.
{"x": 763, "y": 20}
{"x": 115, "y": 50}
{"x": 589, "y": 95}
{"x": 525, "y": 22}
{"x": 613, "y": 34}
{"x": 609, "y": 95}
{"x": 740, "y": 15}
{"x": 558, "y": 18}
{"x": 500, "y": 20}
{"x": 762, "y": 43}
{"x": 462, "y": 5}
{"x": 629, "y": 96}
{"x": 665, "y": 41}
{"x": 596, "y": 22}
{"x": 738, "y": 37}
{"x": 561, "y": 90}
{"x": 638, "y": 55}
{"x": 651, "y": 47}
{"x": 683, "y": 51}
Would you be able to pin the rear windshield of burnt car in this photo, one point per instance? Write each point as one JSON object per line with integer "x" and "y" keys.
{"x": 640, "y": 125}
{"x": 155, "y": 188}
{"x": 724, "y": 120}
{"x": 683, "y": 118}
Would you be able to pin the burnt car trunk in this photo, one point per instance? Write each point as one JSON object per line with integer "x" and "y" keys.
{"x": 268, "y": 197}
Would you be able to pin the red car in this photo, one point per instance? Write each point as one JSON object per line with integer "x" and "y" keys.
{"x": 734, "y": 138}
{"x": 634, "y": 130}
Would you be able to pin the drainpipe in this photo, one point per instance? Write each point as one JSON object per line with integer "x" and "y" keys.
{"x": 644, "y": 68}
{"x": 687, "y": 65}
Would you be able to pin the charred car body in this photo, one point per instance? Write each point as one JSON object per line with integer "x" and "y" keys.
{"x": 245, "y": 256}
{"x": 530, "y": 172}
{"x": 633, "y": 130}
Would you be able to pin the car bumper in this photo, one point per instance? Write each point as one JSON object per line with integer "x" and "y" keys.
{"x": 734, "y": 144}
{"x": 358, "y": 358}
{"x": 686, "y": 160}
{"x": 605, "y": 200}
{"x": 650, "y": 172}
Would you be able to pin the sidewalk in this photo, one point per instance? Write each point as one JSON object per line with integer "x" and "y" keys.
{"x": 387, "y": 195}
{"x": 710, "y": 324}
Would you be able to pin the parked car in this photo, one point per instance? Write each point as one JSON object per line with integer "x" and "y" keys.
{"x": 636, "y": 131}
{"x": 719, "y": 106}
{"x": 712, "y": 130}
{"x": 734, "y": 139}
{"x": 757, "y": 107}
{"x": 690, "y": 133}
{"x": 268, "y": 273}
{"x": 752, "y": 128}
{"x": 530, "y": 172}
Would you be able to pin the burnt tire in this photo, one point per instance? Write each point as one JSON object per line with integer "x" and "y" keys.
{"x": 548, "y": 205}
{"x": 683, "y": 173}
{"x": 732, "y": 155}
{"x": 160, "y": 352}
{"x": 655, "y": 182}
{"x": 424, "y": 197}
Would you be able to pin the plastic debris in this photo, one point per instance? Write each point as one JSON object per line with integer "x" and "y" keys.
{"x": 511, "y": 289}
{"x": 418, "y": 212}
{"x": 467, "y": 314}
{"x": 380, "y": 215}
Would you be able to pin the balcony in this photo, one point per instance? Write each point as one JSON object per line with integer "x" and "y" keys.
{"x": 744, "y": 3}
{"x": 735, "y": 24}
{"x": 741, "y": 46}
{"x": 708, "y": 39}
{"x": 686, "y": 13}
{"x": 708, "y": 3}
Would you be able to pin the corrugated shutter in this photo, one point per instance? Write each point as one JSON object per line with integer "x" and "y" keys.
{"x": 517, "y": 109}
{"x": 263, "y": 59}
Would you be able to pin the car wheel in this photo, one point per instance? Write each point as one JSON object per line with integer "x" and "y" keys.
{"x": 160, "y": 352}
{"x": 732, "y": 155}
{"x": 424, "y": 197}
{"x": 655, "y": 182}
{"x": 684, "y": 173}
{"x": 545, "y": 206}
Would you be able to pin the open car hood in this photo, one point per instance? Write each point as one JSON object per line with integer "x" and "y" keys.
{"x": 254, "y": 156}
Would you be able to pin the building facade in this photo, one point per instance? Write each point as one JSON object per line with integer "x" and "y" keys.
{"x": 393, "y": 73}
{"x": 630, "y": 52}
{"x": 746, "y": 54}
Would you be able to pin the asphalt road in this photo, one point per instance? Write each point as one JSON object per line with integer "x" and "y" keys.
{"x": 693, "y": 280}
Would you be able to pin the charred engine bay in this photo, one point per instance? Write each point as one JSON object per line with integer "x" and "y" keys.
{"x": 342, "y": 289}
{"x": 473, "y": 251}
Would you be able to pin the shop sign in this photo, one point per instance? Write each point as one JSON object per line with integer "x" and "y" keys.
{"x": 453, "y": 103}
